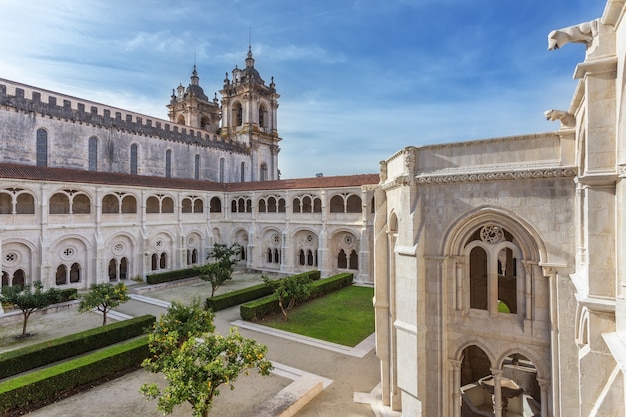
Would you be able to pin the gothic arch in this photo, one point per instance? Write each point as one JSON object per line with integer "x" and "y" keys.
{"x": 457, "y": 235}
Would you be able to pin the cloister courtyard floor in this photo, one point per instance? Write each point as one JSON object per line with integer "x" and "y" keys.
{"x": 301, "y": 363}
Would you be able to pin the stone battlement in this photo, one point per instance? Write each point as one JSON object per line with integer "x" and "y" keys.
{"x": 25, "y": 98}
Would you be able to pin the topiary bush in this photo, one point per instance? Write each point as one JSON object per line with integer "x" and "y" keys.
{"x": 168, "y": 276}
{"x": 49, "y": 382}
{"x": 45, "y": 353}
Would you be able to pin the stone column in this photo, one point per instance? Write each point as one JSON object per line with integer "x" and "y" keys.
{"x": 459, "y": 264}
{"x": 497, "y": 392}
{"x": 544, "y": 386}
{"x": 456, "y": 387}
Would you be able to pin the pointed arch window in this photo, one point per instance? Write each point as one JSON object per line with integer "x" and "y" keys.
{"x": 133, "y": 159}
{"x": 93, "y": 153}
{"x": 168, "y": 163}
{"x": 42, "y": 148}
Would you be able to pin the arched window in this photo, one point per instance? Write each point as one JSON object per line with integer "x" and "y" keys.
{"x": 42, "y": 148}
{"x": 196, "y": 167}
{"x": 75, "y": 273}
{"x": 194, "y": 256}
{"x": 306, "y": 205}
{"x": 301, "y": 258}
{"x": 242, "y": 172}
{"x": 478, "y": 278}
{"x": 317, "y": 205}
{"x": 168, "y": 163}
{"x": 342, "y": 260}
{"x": 216, "y": 205}
{"x": 353, "y": 204}
{"x": 19, "y": 277}
{"x": 309, "y": 257}
{"x": 296, "y": 205}
{"x": 493, "y": 270}
{"x": 61, "y": 275}
{"x": 276, "y": 256}
{"x": 336, "y": 204}
{"x": 262, "y": 112}
{"x": 25, "y": 204}
{"x": 133, "y": 159}
{"x": 6, "y": 203}
{"x": 123, "y": 268}
{"x": 262, "y": 206}
{"x": 269, "y": 255}
{"x": 198, "y": 206}
{"x": 167, "y": 205}
{"x": 129, "y": 204}
{"x": 354, "y": 260}
{"x": 222, "y": 169}
{"x": 110, "y": 204}
{"x": 155, "y": 262}
{"x": 238, "y": 114}
{"x": 186, "y": 206}
{"x": 152, "y": 205}
{"x": 59, "y": 204}
{"x": 271, "y": 205}
{"x": 5, "y": 279}
{"x": 281, "y": 205}
{"x": 113, "y": 270}
{"x": 163, "y": 261}
{"x": 264, "y": 172}
{"x": 93, "y": 153}
{"x": 81, "y": 204}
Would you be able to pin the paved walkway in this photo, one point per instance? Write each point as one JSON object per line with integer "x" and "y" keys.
{"x": 328, "y": 379}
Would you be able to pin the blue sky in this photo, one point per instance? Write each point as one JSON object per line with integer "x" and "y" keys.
{"x": 358, "y": 79}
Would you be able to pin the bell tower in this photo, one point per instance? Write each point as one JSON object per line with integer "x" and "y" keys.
{"x": 191, "y": 107}
{"x": 249, "y": 110}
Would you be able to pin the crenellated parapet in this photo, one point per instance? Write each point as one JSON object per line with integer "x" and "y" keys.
{"x": 24, "y": 98}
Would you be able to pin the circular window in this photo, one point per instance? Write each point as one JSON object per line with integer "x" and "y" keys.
{"x": 491, "y": 234}
{"x": 348, "y": 239}
{"x": 118, "y": 248}
{"x": 158, "y": 244}
{"x": 68, "y": 253}
{"x": 191, "y": 241}
{"x": 276, "y": 238}
{"x": 11, "y": 258}
{"x": 309, "y": 239}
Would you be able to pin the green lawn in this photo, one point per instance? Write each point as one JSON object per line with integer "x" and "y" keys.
{"x": 345, "y": 317}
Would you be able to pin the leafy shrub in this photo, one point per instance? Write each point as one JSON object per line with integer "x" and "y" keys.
{"x": 45, "y": 353}
{"x": 49, "y": 382}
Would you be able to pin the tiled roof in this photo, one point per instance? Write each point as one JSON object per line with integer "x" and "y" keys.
{"x": 37, "y": 173}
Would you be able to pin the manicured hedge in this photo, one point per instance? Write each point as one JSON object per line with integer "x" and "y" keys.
{"x": 171, "y": 276}
{"x": 48, "y": 382}
{"x": 256, "y": 310}
{"x": 233, "y": 298}
{"x": 45, "y": 353}
{"x": 68, "y": 294}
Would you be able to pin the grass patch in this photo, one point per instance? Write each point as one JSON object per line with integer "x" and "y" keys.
{"x": 345, "y": 317}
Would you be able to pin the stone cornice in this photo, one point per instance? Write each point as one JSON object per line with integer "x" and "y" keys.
{"x": 596, "y": 66}
{"x": 511, "y": 174}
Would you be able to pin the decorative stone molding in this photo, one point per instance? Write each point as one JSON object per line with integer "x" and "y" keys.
{"x": 621, "y": 171}
{"x": 497, "y": 176}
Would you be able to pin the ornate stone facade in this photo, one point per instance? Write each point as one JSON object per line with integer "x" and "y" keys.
{"x": 499, "y": 264}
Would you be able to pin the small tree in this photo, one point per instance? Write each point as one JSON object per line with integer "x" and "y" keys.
{"x": 196, "y": 363}
{"x": 223, "y": 254}
{"x": 179, "y": 324}
{"x": 215, "y": 273}
{"x": 290, "y": 291}
{"x": 104, "y": 297}
{"x": 29, "y": 301}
